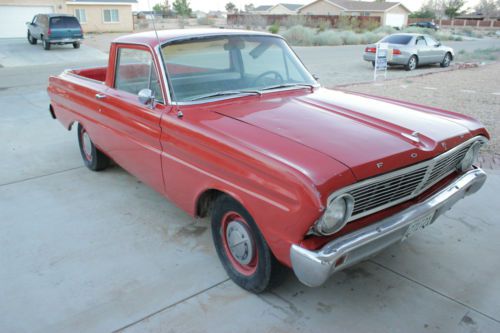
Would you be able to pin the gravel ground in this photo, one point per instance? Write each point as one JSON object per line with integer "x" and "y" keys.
{"x": 473, "y": 91}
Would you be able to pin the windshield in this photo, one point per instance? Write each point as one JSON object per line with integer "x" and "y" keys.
{"x": 397, "y": 39}
{"x": 225, "y": 65}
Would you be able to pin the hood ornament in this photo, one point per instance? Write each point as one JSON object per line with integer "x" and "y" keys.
{"x": 415, "y": 136}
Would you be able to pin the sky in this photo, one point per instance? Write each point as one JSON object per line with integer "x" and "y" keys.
{"x": 207, "y": 5}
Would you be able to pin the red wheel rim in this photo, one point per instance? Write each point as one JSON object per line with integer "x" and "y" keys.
{"x": 244, "y": 256}
{"x": 86, "y": 144}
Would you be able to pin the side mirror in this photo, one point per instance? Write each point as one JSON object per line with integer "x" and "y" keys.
{"x": 438, "y": 44}
{"x": 316, "y": 77}
{"x": 146, "y": 97}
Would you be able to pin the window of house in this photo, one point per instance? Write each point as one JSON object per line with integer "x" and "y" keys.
{"x": 81, "y": 15}
{"x": 135, "y": 70}
{"x": 110, "y": 15}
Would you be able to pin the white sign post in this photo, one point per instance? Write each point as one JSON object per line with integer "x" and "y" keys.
{"x": 381, "y": 57}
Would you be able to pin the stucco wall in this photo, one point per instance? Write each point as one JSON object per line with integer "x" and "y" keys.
{"x": 320, "y": 8}
{"x": 95, "y": 21}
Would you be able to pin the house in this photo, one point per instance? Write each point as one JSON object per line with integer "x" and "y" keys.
{"x": 284, "y": 9}
{"x": 94, "y": 15}
{"x": 393, "y": 14}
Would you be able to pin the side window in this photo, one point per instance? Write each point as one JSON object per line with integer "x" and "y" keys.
{"x": 35, "y": 19}
{"x": 135, "y": 71}
{"x": 430, "y": 41}
{"x": 421, "y": 41}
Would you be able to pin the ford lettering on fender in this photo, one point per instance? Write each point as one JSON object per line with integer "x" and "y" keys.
{"x": 230, "y": 124}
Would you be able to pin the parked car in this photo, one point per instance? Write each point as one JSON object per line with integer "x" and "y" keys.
{"x": 55, "y": 29}
{"x": 412, "y": 50}
{"x": 425, "y": 24}
{"x": 230, "y": 124}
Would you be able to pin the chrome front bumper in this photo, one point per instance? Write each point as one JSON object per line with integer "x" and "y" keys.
{"x": 314, "y": 267}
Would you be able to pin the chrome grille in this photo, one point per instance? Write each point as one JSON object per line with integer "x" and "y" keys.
{"x": 378, "y": 193}
{"x": 388, "y": 190}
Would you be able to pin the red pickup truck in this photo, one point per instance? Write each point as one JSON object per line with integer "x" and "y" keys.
{"x": 230, "y": 124}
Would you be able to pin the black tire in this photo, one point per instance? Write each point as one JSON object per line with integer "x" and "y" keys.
{"x": 32, "y": 40}
{"x": 373, "y": 64}
{"x": 93, "y": 158}
{"x": 412, "y": 63}
{"x": 76, "y": 45}
{"x": 446, "y": 60}
{"x": 265, "y": 271}
{"x": 46, "y": 45}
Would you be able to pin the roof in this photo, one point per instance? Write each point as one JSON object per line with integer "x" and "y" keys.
{"x": 368, "y": 6}
{"x": 291, "y": 6}
{"x": 149, "y": 37}
{"x": 103, "y": 1}
{"x": 262, "y": 8}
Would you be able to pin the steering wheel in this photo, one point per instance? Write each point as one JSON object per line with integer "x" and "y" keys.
{"x": 277, "y": 77}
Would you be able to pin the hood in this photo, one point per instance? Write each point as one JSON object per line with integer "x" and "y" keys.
{"x": 368, "y": 135}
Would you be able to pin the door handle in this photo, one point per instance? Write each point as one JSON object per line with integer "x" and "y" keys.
{"x": 100, "y": 96}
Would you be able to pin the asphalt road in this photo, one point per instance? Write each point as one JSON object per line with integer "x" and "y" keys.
{"x": 101, "y": 252}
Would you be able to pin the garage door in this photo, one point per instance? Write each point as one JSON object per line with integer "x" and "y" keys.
{"x": 395, "y": 20}
{"x": 13, "y": 19}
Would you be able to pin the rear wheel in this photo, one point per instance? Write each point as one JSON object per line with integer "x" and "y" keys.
{"x": 241, "y": 248}
{"x": 76, "y": 45}
{"x": 46, "y": 44}
{"x": 446, "y": 60}
{"x": 93, "y": 158}
{"x": 412, "y": 63}
{"x": 373, "y": 64}
{"x": 32, "y": 40}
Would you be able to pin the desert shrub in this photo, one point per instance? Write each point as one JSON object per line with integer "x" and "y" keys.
{"x": 275, "y": 28}
{"x": 457, "y": 38}
{"x": 350, "y": 38}
{"x": 368, "y": 37}
{"x": 299, "y": 35}
{"x": 328, "y": 37}
{"x": 369, "y": 25}
{"x": 205, "y": 21}
{"x": 385, "y": 30}
{"x": 343, "y": 23}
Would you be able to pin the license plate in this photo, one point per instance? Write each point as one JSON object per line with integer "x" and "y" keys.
{"x": 419, "y": 224}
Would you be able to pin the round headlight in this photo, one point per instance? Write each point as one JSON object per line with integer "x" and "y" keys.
{"x": 337, "y": 213}
{"x": 470, "y": 157}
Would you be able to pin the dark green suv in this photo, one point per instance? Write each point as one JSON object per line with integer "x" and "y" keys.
{"x": 55, "y": 29}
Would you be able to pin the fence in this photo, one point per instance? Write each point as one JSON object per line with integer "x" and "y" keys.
{"x": 460, "y": 23}
{"x": 306, "y": 20}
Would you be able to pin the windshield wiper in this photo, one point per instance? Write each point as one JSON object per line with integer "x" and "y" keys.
{"x": 225, "y": 93}
{"x": 288, "y": 85}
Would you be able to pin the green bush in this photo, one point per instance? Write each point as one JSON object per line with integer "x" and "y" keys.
{"x": 369, "y": 37}
{"x": 299, "y": 35}
{"x": 350, "y": 38}
{"x": 328, "y": 37}
{"x": 275, "y": 28}
{"x": 324, "y": 25}
{"x": 385, "y": 30}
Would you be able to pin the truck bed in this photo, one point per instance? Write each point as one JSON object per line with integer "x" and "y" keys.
{"x": 94, "y": 73}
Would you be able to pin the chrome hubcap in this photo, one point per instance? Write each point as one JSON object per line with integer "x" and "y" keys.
{"x": 412, "y": 63}
{"x": 239, "y": 242}
{"x": 87, "y": 144}
{"x": 447, "y": 59}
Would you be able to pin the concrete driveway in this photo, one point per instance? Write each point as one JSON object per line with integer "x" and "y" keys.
{"x": 17, "y": 52}
{"x": 101, "y": 252}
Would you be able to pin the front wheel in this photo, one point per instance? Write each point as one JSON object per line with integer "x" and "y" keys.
{"x": 241, "y": 248}
{"x": 32, "y": 40}
{"x": 76, "y": 45}
{"x": 93, "y": 158}
{"x": 412, "y": 63}
{"x": 446, "y": 60}
{"x": 46, "y": 45}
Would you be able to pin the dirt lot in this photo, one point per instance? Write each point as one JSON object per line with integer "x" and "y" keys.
{"x": 474, "y": 92}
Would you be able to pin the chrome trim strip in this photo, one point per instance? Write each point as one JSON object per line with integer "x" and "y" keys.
{"x": 429, "y": 164}
{"x": 314, "y": 267}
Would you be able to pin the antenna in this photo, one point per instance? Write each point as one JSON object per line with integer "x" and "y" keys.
{"x": 167, "y": 78}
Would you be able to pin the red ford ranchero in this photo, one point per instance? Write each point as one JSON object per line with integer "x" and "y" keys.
{"x": 230, "y": 124}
